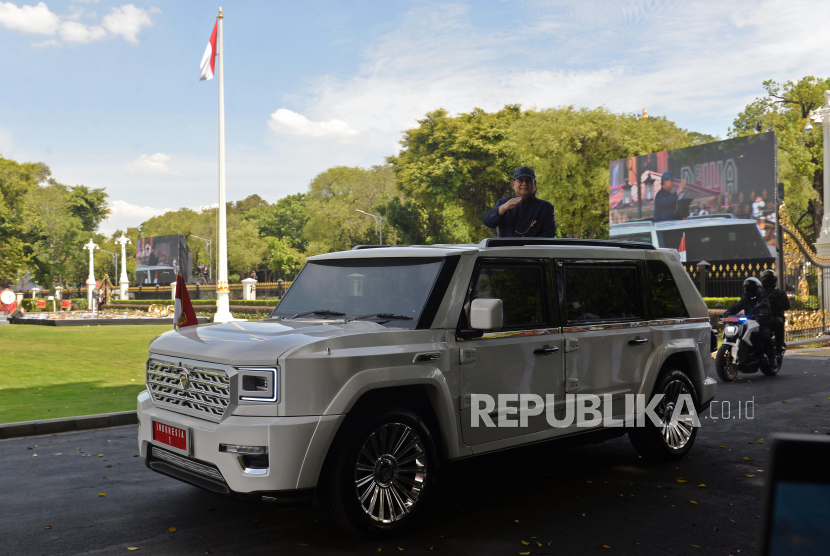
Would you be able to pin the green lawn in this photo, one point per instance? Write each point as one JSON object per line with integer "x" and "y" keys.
{"x": 48, "y": 372}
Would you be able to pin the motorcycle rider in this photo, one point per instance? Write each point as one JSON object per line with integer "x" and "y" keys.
{"x": 756, "y": 306}
{"x": 779, "y": 302}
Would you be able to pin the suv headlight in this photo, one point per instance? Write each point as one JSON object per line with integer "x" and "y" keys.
{"x": 258, "y": 384}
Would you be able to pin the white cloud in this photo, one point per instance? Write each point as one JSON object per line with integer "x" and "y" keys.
{"x": 126, "y": 214}
{"x": 37, "y": 19}
{"x": 73, "y": 31}
{"x": 127, "y": 21}
{"x": 48, "y": 42}
{"x": 286, "y": 121}
{"x": 150, "y": 163}
{"x": 698, "y": 62}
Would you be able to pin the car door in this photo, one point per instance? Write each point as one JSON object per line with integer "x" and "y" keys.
{"x": 523, "y": 357}
{"x": 606, "y": 331}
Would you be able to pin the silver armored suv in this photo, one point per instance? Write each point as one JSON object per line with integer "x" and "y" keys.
{"x": 380, "y": 363}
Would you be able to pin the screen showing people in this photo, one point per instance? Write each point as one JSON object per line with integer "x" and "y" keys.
{"x": 733, "y": 179}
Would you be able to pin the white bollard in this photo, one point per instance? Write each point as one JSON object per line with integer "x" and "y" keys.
{"x": 249, "y": 288}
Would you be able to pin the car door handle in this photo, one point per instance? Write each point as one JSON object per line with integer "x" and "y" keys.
{"x": 545, "y": 350}
{"x": 637, "y": 341}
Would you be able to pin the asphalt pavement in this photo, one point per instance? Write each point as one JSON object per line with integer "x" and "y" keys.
{"x": 89, "y": 493}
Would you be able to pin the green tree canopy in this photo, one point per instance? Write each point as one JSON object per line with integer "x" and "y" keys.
{"x": 16, "y": 182}
{"x": 463, "y": 161}
{"x": 570, "y": 150}
{"x": 785, "y": 109}
{"x": 334, "y": 198}
{"x": 284, "y": 219}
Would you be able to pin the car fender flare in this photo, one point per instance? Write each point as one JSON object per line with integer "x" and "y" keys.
{"x": 411, "y": 375}
{"x": 658, "y": 357}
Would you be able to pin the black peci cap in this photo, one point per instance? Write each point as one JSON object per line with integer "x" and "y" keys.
{"x": 524, "y": 171}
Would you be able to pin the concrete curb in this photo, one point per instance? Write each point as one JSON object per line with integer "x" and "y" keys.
{"x": 818, "y": 340}
{"x": 67, "y": 424}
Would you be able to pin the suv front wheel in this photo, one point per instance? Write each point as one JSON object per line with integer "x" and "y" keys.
{"x": 382, "y": 474}
{"x": 670, "y": 440}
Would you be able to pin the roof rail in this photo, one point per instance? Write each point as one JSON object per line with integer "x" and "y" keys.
{"x": 360, "y": 247}
{"x": 523, "y": 241}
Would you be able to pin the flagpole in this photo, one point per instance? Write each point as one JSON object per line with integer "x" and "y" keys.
{"x": 223, "y": 313}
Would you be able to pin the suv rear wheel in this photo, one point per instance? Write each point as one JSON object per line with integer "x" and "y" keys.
{"x": 382, "y": 474}
{"x": 670, "y": 440}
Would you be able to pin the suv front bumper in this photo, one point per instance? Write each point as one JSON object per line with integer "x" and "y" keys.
{"x": 297, "y": 447}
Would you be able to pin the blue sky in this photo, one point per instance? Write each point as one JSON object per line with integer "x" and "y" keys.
{"x": 108, "y": 95}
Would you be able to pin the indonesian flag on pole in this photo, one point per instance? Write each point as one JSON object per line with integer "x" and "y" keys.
{"x": 209, "y": 59}
{"x": 682, "y": 249}
{"x": 184, "y": 315}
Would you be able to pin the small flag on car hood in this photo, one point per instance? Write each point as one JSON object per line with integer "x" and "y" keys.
{"x": 184, "y": 315}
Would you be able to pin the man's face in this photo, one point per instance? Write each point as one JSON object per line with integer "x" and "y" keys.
{"x": 668, "y": 184}
{"x": 524, "y": 186}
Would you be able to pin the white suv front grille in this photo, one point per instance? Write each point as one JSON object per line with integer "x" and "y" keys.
{"x": 201, "y": 392}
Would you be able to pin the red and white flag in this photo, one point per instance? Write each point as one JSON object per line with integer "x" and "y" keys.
{"x": 184, "y": 315}
{"x": 209, "y": 59}
{"x": 682, "y": 249}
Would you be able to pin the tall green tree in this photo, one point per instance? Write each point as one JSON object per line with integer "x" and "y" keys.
{"x": 570, "y": 150}
{"x": 16, "y": 182}
{"x": 463, "y": 161}
{"x": 785, "y": 109}
{"x": 334, "y": 198}
{"x": 59, "y": 220}
{"x": 284, "y": 219}
{"x": 285, "y": 261}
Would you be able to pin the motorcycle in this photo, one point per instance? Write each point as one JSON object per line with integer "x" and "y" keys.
{"x": 740, "y": 352}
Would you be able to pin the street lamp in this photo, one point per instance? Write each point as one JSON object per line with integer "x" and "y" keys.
{"x": 114, "y": 261}
{"x": 209, "y": 245}
{"x": 378, "y": 224}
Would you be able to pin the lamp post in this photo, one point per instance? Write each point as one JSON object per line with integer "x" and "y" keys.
{"x": 209, "y": 245}
{"x": 92, "y": 246}
{"x": 114, "y": 260}
{"x": 124, "y": 282}
{"x": 378, "y": 224}
{"x": 822, "y": 116}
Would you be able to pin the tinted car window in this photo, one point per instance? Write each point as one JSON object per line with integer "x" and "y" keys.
{"x": 601, "y": 293}
{"x": 665, "y": 297}
{"x": 519, "y": 287}
{"x": 718, "y": 243}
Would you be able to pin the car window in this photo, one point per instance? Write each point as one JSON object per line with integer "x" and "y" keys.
{"x": 520, "y": 287}
{"x": 718, "y": 243}
{"x": 665, "y": 296}
{"x": 601, "y": 293}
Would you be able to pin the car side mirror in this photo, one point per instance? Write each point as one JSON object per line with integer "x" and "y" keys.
{"x": 718, "y": 305}
{"x": 486, "y": 314}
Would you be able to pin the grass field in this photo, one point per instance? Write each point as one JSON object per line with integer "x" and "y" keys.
{"x": 48, "y": 372}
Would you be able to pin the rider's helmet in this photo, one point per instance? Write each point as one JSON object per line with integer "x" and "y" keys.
{"x": 752, "y": 286}
{"x": 769, "y": 279}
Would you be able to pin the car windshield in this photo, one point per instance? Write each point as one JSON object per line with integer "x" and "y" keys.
{"x": 380, "y": 290}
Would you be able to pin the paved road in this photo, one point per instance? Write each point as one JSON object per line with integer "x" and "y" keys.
{"x": 571, "y": 502}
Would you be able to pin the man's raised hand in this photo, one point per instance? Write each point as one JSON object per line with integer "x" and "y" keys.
{"x": 509, "y": 205}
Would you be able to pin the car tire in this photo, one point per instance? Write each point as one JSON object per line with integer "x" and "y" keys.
{"x": 727, "y": 371}
{"x": 669, "y": 441}
{"x": 381, "y": 476}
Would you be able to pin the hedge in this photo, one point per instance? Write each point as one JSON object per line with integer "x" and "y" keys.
{"x": 727, "y": 302}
